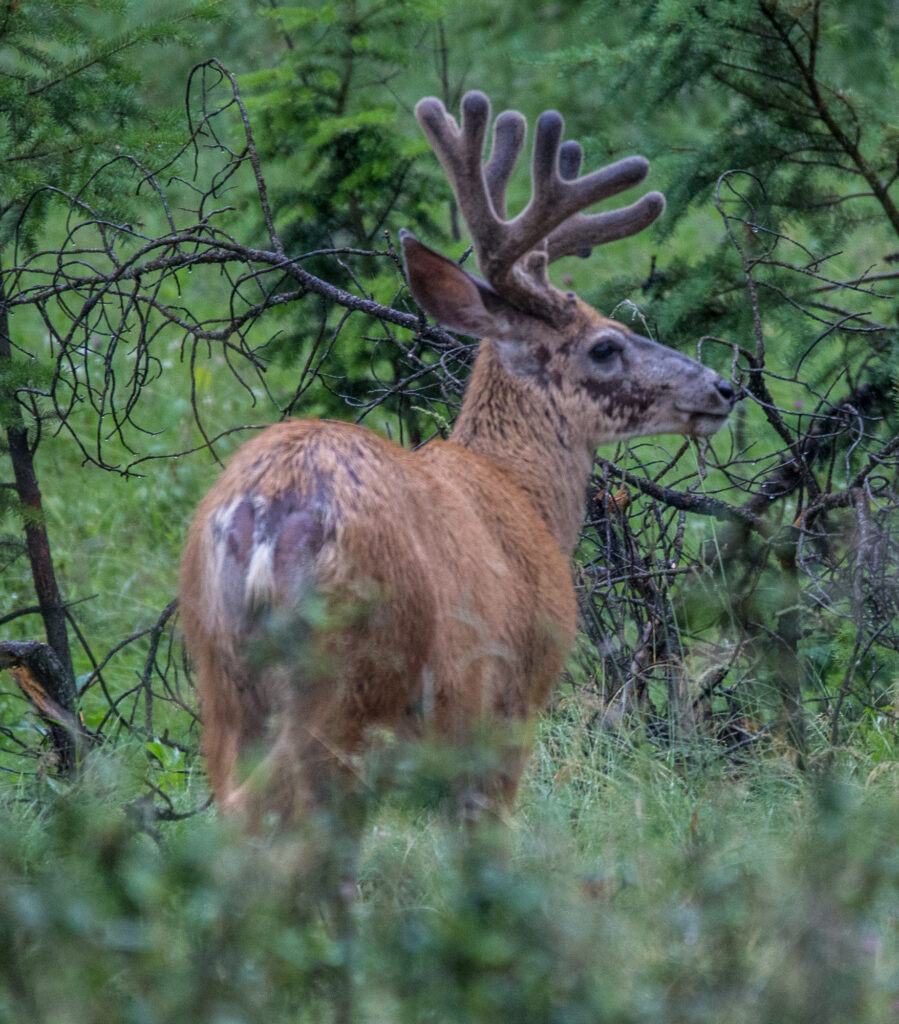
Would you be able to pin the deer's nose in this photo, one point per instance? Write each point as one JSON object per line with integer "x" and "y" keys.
{"x": 726, "y": 390}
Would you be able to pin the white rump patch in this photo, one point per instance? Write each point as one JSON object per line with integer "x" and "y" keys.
{"x": 260, "y": 586}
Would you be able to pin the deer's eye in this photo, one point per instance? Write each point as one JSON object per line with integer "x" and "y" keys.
{"x": 603, "y": 350}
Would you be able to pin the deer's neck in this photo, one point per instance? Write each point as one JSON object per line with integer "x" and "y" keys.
{"x": 517, "y": 424}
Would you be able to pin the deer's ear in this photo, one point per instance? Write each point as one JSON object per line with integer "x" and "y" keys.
{"x": 457, "y": 299}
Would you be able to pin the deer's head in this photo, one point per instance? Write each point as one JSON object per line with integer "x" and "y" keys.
{"x": 603, "y": 379}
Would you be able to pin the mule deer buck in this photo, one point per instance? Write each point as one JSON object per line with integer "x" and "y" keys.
{"x": 334, "y": 582}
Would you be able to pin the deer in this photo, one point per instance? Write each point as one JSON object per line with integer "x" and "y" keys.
{"x": 335, "y": 584}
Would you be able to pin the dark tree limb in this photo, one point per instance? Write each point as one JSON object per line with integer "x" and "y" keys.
{"x": 37, "y": 672}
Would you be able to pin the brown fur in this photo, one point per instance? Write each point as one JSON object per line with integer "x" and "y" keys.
{"x": 333, "y": 582}
{"x": 464, "y": 581}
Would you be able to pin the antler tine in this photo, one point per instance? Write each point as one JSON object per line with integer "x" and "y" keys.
{"x": 556, "y": 194}
{"x": 509, "y": 131}
{"x": 580, "y": 233}
{"x": 460, "y": 152}
{"x": 571, "y": 155}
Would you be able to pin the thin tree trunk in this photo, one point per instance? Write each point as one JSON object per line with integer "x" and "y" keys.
{"x": 788, "y": 667}
{"x": 37, "y": 542}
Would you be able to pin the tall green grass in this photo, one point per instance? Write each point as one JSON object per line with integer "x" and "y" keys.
{"x": 627, "y": 890}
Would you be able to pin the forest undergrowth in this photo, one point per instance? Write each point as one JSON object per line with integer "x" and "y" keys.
{"x": 625, "y": 888}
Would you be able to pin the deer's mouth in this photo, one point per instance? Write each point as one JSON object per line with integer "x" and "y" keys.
{"x": 702, "y": 423}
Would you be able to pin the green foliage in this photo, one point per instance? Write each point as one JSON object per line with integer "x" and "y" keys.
{"x": 661, "y": 898}
{"x": 341, "y": 158}
{"x": 797, "y": 92}
{"x": 327, "y": 110}
{"x": 70, "y": 95}
{"x": 194, "y": 929}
